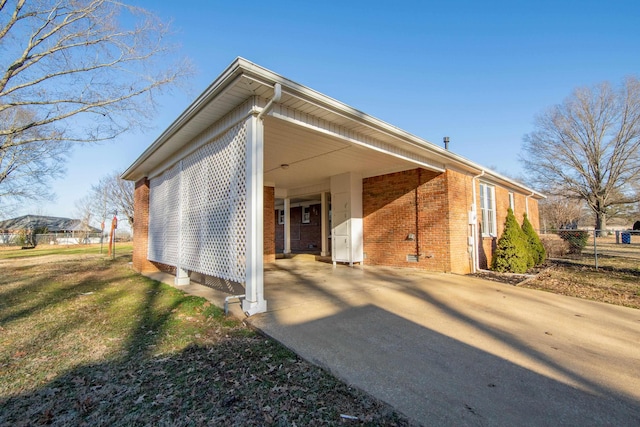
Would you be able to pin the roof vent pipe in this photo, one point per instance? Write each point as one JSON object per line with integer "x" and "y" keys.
{"x": 446, "y": 142}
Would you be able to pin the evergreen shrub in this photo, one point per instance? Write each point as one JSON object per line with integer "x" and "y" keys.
{"x": 512, "y": 253}
{"x": 577, "y": 239}
{"x": 536, "y": 247}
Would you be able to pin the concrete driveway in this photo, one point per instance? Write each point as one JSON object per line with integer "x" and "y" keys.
{"x": 454, "y": 350}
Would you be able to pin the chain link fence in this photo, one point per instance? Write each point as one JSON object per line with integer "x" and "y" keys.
{"x": 75, "y": 238}
{"x": 597, "y": 247}
{"x": 68, "y": 238}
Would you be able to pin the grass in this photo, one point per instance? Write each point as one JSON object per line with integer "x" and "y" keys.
{"x": 86, "y": 341}
{"x": 10, "y": 252}
{"x": 616, "y": 281}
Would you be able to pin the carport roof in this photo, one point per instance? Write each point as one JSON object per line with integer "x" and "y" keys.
{"x": 244, "y": 79}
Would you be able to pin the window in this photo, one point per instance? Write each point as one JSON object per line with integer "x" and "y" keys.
{"x": 280, "y": 216}
{"x": 512, "y": 203}
{"x": 488, "y": 209}
{"x": 306, "y": 215}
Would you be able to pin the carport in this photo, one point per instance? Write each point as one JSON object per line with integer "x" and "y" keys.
{"x": 208, "y": 186}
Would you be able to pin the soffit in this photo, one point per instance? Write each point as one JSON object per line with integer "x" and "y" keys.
{"x": 313, "y": 157}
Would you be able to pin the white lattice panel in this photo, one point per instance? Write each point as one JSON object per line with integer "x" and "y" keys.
{"x": 171, "y": 216}
{"x": 213, "y": 233}
{"x": 164, "y": 205}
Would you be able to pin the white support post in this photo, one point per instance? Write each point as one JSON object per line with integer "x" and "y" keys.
{"x": 254, "y": 301}
{"x": 324, "y": 223}
{"x": 287, "y": 225}
{"x": 182, "y": 276}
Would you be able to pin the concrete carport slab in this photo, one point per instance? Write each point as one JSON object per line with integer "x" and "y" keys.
{"x": 455, "y": 350}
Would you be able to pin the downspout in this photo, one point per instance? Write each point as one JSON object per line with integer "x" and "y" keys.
{"x": 526, "y": 203}
{"x": 417, "y": 212}
{"x": 277, "y": 94}
{"x": 227, "y": 299}
{"x": 474, "y": 225}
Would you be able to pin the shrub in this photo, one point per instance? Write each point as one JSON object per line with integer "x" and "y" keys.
{"x": 512, "y": 253}
{"x": 554, "y": 246}
{"x": 535, "y": 245}
{"x": 577, "y": 239}
{"x": 23, "y": 238}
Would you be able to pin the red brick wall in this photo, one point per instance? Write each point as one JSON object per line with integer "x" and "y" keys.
{"x": 269, "y": 225}
{"x": 302, "y": 235}
{"x": 141, "y": 227}
{"x": 460, "y": 194}
{"x": 434, "y": 207}
{"x": 410, "y": 202}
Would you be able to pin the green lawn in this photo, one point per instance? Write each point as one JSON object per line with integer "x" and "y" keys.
{"x": 85, "y": 340}
{"x": 41, "y": 250}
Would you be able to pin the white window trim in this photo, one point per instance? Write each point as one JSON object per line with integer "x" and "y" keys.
{"x": 280, "y": 216}
{"x": 488, "y": 209}
{"x": 512, "y": 201}
{"x": 306, "y": 214}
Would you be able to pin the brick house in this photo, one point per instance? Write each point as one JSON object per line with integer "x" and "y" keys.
{"x": 259, "y": 164}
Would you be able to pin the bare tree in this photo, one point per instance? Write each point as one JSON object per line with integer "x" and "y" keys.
{"x": 84, "y": 70}
{"x": 25, "y": 170}
{"x": 588, "y": 148}
{"x": 113, "y": 193}
{"x": 85, "y": 210}
{"x": 558, "y": 213}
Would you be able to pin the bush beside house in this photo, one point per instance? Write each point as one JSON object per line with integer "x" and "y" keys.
{"x": 519, "y": 248}
{"x": 533, "y": 240}
{"x": 512, "y": 254}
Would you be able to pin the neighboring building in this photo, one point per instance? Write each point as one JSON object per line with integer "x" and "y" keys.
{"x": 259, "y": 164}
{"x": 68, "y": 229}
{"x": 51, "y": 223}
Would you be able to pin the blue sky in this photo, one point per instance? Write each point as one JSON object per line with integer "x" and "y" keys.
{"x": 477, "y": 72}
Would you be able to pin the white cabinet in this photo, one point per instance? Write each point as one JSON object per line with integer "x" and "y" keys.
{"x": 346, "y": 218}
